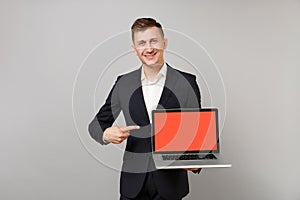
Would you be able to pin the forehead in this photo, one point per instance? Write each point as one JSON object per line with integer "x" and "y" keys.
{"x": 147, "y": 34}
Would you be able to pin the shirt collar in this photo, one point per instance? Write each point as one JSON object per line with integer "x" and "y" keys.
{"x": 162, "y": 73}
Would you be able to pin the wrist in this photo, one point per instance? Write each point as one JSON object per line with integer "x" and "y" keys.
{"x": 104, "y": 138}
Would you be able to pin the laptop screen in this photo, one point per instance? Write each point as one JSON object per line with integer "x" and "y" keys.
{"x": 185, "y": 130}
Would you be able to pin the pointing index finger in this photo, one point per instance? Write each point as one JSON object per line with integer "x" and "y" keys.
{"x": 129, "y": 128}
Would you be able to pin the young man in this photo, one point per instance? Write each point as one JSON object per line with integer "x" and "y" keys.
{"x": 154, "y": 85}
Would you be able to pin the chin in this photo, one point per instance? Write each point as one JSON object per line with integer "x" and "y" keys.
{"x": 151, "y": 64}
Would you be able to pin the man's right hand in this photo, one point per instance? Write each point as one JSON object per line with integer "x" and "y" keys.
{"x": 117, "y": 134}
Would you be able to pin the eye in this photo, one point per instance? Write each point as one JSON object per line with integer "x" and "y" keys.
{"x": 141, "y": 43}
{"x": 154, "y": 41}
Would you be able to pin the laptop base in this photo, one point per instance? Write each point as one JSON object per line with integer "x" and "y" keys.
{"x": 183, "y": 164}
{"x": 194, "y": 166}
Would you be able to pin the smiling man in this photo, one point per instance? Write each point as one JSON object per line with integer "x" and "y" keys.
{"x": 154, "y": 85}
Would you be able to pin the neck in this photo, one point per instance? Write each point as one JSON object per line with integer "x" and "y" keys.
{"x": 152, "y": 71}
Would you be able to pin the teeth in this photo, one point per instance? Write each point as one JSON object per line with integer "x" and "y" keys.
{"x": 150, "y": 56}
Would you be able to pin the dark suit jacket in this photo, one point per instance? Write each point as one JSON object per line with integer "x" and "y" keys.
{"x": 180, "y": 91}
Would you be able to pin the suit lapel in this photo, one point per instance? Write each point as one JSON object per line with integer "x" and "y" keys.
{"x": 171, "y": 79}
{"x": 138, "y": 98}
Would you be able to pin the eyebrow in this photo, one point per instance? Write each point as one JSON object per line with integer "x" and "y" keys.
{"x": 155, "y": 38}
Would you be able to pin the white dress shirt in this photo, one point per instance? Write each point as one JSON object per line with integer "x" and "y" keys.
{"x": 152, "y": 90}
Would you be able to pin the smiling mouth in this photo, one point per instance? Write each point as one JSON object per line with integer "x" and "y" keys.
{"x": 150, "y": 56}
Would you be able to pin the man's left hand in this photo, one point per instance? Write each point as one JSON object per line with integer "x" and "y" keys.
{"x": 191, "y": 169}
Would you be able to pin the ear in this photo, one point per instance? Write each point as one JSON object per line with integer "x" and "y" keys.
{"x": 134, "y": 49}
{"x": 165, "y": 43}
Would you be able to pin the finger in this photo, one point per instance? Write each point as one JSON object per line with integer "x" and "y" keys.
{"x": 191, "y": 169}
{"x": 122, "y": 137}
{"x": 125, "y": 135}
{"x": 129, "y": 128}
{"x": 118, "y": 141}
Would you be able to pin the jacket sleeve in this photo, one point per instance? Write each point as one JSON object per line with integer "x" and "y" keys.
{"x": 106, "y": 115}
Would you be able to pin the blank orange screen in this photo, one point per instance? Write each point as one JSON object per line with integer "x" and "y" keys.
{"x": 185, "y": 131}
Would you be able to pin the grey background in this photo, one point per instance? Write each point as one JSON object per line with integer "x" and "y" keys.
{"x": 255, "y": 45}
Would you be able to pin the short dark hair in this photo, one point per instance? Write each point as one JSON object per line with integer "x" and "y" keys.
{"x": 142, "y": 24}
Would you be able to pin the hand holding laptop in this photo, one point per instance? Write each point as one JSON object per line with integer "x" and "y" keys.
{"x": 191, "y": 169}
{"x": 117, "y": 134}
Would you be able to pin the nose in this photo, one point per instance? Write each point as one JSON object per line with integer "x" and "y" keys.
{"x": 148, "y": 46}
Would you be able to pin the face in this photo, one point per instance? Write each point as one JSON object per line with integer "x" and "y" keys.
{"x": 149, "y": 46}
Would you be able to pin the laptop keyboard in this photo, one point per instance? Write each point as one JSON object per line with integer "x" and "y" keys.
{"x": 188, "y": 157}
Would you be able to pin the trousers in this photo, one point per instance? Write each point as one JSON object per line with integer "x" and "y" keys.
{"x": 148, "y": 191}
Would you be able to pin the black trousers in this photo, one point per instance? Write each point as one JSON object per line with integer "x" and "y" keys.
{"x": 148, "y": 191}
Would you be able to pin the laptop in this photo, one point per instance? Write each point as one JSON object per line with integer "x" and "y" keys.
{"x": 186, "y": 138}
